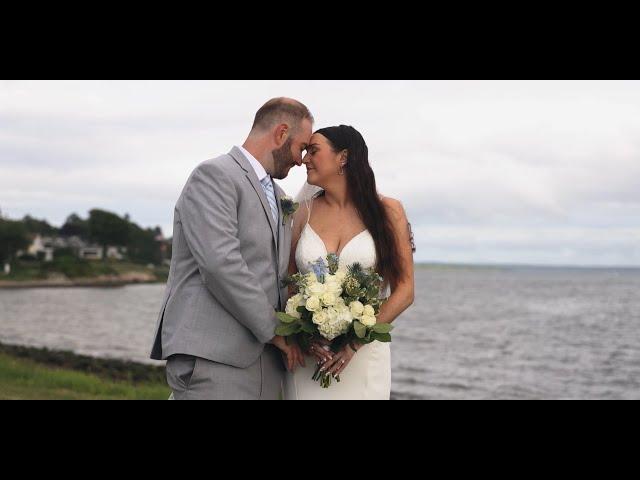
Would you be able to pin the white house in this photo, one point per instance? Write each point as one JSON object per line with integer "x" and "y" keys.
{"x": 42, "y": 245}
{"x": 45, "y": 247}
{"x": 116, "y": 253}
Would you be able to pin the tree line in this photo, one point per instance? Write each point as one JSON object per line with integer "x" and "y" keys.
{"x": 100, "y": 227}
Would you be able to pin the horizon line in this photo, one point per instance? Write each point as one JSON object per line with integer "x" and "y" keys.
{"x": 523, "y": 265}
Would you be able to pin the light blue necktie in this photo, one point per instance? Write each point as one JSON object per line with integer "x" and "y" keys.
{"x": 267, "y": 186}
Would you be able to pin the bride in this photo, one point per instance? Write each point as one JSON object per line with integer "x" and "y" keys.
{"x": 341, "y": 212}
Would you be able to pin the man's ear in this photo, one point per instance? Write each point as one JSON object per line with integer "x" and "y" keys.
{"x": 281, "y": 133}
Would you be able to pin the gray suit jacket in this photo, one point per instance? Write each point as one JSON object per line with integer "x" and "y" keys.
{"x": 228, "y": 261}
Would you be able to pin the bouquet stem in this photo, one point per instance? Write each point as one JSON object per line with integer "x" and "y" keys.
{"x": 324, "y": 378}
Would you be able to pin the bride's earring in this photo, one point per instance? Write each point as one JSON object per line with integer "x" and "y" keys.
{"x": 342, "y": 165}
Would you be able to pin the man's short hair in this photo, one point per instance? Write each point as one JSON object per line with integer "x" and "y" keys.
{"x": 281, "y": 110}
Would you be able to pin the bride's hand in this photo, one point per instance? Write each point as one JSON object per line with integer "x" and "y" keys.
{"x": 317, "y": 350}
{"x": 340, "y": 361}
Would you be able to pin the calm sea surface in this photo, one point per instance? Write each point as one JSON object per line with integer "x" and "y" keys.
{"x": 473, "y": 333}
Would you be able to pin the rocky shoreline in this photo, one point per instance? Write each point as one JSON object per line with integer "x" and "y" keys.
{"x": 113, "y": 369}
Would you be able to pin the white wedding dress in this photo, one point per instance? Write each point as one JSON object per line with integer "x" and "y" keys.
{"x": 368, "y": 375}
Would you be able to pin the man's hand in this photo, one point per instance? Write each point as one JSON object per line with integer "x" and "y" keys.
{"x": 292, "y": 354}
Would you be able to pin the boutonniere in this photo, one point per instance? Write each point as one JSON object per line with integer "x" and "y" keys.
{"x": 289, "y": 207}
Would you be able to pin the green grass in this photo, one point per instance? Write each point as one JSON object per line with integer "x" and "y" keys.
{"x": 23, "y": 271}
{"x": 72, "y": 267}
{"x": 28, "y": 379}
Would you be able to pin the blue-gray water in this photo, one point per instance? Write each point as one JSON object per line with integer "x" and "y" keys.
{"x": 473, "y": 333}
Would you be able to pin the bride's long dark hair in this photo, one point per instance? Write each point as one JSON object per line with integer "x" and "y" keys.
{"x": 361, "y": 182}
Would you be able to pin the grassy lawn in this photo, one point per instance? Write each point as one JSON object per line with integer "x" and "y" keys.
{"x": 24, "y": 378}
{"x": 24, "y": 271}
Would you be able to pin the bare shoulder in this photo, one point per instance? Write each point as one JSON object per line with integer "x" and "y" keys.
{"x": 395, "y": 207}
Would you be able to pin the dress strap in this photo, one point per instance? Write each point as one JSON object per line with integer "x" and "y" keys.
{"x": 310, "y": 205}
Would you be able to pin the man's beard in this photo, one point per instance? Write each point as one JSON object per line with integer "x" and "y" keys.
{"x": 283, "y": 160}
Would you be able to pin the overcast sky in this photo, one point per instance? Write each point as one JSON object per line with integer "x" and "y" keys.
{"x": 531, "y": 172}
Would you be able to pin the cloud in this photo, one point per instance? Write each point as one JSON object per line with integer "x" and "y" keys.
{"x": 488, "y": 171}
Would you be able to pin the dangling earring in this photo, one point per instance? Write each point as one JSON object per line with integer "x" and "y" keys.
{"x": 341, "y": 171}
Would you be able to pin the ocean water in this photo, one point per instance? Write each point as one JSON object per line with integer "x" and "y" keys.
{"x": 473, "y": 332}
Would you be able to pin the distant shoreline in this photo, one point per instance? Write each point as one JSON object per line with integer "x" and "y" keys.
{"x": 73, "y": 273}
{"x": 76, "y": 283}
{"x": 523, "y": 265}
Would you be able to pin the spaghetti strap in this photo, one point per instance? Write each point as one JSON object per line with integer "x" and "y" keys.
{"x": 309, "y": 206}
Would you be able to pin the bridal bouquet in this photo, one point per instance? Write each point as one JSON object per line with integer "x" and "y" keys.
{"x": 339, "y": 305}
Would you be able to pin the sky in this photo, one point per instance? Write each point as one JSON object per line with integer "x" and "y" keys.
{"x": 525, "y": 172}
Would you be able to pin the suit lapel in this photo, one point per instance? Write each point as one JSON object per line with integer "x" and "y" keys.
{"x": 283, "y": 263}
{"x": 281, "y": 222}
{"x": 239, "y": 157}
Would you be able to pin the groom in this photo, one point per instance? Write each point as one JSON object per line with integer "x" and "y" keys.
{"x": 231, "y": 245}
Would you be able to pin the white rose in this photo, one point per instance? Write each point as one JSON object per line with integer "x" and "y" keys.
{"x": 328, "y": 299}
{"x": 320, "y": 318}
{"x": 335, "y": 278}
{"x": 310, "y": 278}
{"x": 369, "y": 311}
{"x": 340, "y": 276}
{"x": 316, "y": 289}
{"x": 368, "y": 320}
{"x": 345, "y": 315}
{"x": 332, "y": 314}
{"x": 357, "y": 309}
{"x": 292, "y": 306}
{"x": 313, "y": 304}
{"x": 334, "y": 287}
